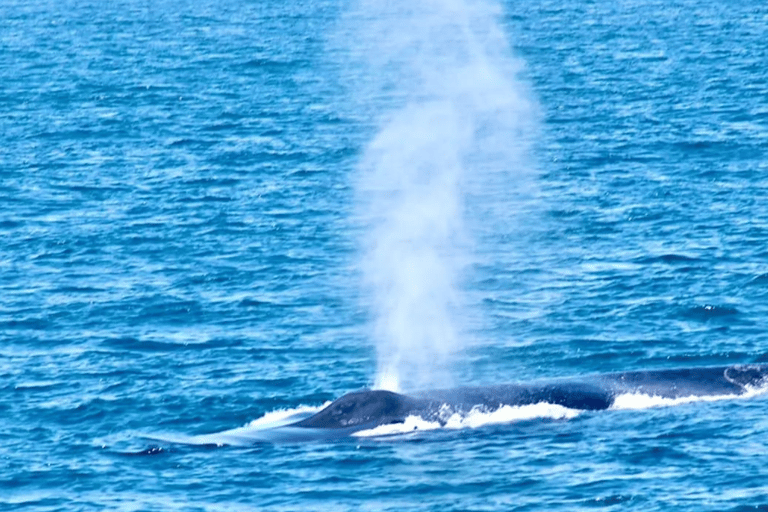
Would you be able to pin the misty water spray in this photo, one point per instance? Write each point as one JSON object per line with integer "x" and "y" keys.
{"x": 453, "y": 121}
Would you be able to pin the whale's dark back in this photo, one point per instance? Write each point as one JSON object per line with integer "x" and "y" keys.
{"x": 369, "y": 408}
{"x": 571, "y": 394}
{"x": 681, "y": 382}
{"x": 364, "y": 408}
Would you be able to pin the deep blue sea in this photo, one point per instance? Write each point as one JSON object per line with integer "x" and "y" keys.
{"x": 215, "y": 211}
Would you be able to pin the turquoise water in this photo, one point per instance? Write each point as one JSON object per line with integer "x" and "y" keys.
{"x": 186, "y": 245}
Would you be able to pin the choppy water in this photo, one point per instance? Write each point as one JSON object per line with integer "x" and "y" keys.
{"x": 180, "y": 253}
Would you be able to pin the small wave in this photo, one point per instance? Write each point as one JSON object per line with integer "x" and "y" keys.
{"x": 241, "y": 436}
{"x": 37, "y": 385}
{"x": 759, "y": 280}
{"x": 476, "y": 418}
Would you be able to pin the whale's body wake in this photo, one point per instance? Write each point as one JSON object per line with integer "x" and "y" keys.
{"x": 380, "y": 412}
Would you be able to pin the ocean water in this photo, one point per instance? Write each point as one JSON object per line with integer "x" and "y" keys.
{"x": 212, "y": 212}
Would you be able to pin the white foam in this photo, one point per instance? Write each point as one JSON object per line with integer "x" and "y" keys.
{"x": 480, "y": 417}
{"x": 633, "y": 401}
{"x": 476, "y": 418}
{"x": 411, "y": 424}
{"x": 509, "y": 414}
{"x": 283, "y": 417}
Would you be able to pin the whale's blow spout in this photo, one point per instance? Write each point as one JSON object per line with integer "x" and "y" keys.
{"x": 454, "y": 122}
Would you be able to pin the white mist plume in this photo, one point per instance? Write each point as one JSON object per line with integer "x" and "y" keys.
{"x": 453, "y": 118}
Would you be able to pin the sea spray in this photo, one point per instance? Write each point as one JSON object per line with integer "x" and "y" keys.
{"x": 415, "y": 246}
{"x": 453, "y": 123}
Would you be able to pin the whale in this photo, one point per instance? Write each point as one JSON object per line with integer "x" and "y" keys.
{"x": 370, "y": 408}
{"x": 367, "y": 409}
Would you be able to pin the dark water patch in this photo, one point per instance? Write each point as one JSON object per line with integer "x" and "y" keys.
{"x": 154, "y": 87}
{"x": 219, "y": 127}
{"x": 708, "y": 312}
{"x": 172, "y": 311}
{"x": 565, "y": 214}
{"x": 208, "y": 198}
{"x": 605, "y": 360}
{"x": 670, "y": 258}
{"x": 610, "y": 500}
{"x": 218, "y": 277}
{"x": 272, "y": 64}
{"x": 144, "y": 208}
{"x": 10, "y": 224}
{"x": 216, "y": 180}
{"x": 20, "y": 501}
{"x": 256, "y": 303}
{"x": 61, "y": 253}
{"x": 244, "y": 158}
{"x": 150, "y": 451}
{"x": 192, "y": 143}
{"x": 308, "y": 173}
{"x": 81, "y": 134}
{"x": 692, "y": 358}
{"x": 74, "y": 289}
{"x": 713, "y": 149}
{"x": 761, "y": 280}
{"x": 85, "y": 410}
{"x": 496, "y": 302}
{"x": 150, "y": 345}
{"x": 645, "y": 215}
{"x": 34, "y": 323}
{"x": 644, "y": 455}
{"x": 93, "y": 192}
{"x": 275, "y": 383}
